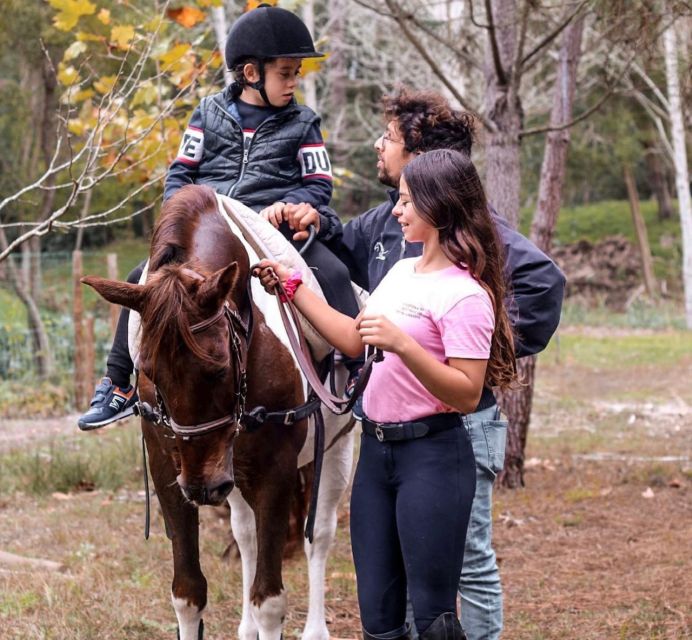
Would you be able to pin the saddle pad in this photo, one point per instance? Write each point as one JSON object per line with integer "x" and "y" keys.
{"x": 283, "y": 252}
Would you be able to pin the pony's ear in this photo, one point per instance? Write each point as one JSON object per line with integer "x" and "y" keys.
{"x": 123, "y": 293}
{"x": 218, "y": 285}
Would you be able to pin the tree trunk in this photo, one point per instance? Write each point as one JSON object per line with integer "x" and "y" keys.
{"x": 218, "y": 20}
{"x": 517, "y": 403}
{"x": 682, "y": 183}
{"x": 641, "y": 233}
{"x": 42, "y": 352}
{"x": 658, "y": 181}
{"x": 310, "y": 81}
{"x": 557, "y": 142}
{"x": 337, "y": 79}
{"x": 503, "y": 108}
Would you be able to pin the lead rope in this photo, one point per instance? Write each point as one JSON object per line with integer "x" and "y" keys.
{"x": 145, "y": 471}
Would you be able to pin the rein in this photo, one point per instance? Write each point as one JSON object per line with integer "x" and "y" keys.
{"x": 317, "y": 393}
{"x": 289, "y": 317}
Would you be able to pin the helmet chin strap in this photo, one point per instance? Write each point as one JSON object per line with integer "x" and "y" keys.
{"x": 259, "y": 85}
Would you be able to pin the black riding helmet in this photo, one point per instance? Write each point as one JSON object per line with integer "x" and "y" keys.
{"x": 266, "y": 33}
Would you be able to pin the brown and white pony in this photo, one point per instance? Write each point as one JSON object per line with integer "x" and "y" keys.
{"x": 202, "y": 362}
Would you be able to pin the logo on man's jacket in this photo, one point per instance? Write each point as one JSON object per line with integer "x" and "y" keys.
{"x": 380, "y": 251}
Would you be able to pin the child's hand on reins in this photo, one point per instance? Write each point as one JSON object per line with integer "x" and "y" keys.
{"x": 270, "y": 273}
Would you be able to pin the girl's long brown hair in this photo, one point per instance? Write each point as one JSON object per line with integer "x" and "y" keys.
{"x": 446, "y": 191}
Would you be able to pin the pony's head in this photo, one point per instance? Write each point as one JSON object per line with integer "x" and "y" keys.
{"x": 192, "y": 349}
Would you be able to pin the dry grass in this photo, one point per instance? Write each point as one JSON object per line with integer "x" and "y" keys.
{"x": 596, "y": 547}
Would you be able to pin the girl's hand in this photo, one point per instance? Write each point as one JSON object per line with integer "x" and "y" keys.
{"x": 378, "y": 331}
{"x": 270, "y": 273}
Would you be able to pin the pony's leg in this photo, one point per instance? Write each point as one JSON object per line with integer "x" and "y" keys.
{"x": 189, "y": 588}
{"x": 272, "y": 513}
{"x": 245, "y": 534}
{"x": 336, "y": 474}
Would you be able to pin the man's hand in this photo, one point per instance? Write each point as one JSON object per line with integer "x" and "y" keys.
{"x": 300, "y": 217}
{"x": 274, "y": 213}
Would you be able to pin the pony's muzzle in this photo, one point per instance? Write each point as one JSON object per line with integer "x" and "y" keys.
{"x": 212, "y": 493}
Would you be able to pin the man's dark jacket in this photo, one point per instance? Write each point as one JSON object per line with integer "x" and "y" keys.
{"x": 373, "y": 242}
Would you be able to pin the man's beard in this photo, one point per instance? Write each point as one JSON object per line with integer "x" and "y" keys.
{"x": 386, "y": 179}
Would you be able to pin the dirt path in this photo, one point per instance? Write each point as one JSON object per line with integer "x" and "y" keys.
{"x": 16, "y": 433}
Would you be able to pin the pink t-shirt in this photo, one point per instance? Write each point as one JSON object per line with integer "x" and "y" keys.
{"x": 447, "y": 312}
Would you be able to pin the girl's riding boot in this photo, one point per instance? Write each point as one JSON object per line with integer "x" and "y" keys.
{"x": 444, "y": 627}
{"x": 404, "y": 633}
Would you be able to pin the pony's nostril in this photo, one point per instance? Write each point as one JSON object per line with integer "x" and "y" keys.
{"x": 223, "y": 488}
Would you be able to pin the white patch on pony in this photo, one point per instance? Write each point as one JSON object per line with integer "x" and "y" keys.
{"x": 336, "y": 474}
{"x": 269, "y": 617}
{"x": 285, "y": 253}
{"x": 245, "y": 534}
{"x": 189, "y": 618}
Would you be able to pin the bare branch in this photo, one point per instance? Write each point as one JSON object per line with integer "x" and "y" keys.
{"x": 497, "y": 60}
{"x": 604, "y": 98}
{"x": 554, "y": 34}
{"x": 401, "y": 21}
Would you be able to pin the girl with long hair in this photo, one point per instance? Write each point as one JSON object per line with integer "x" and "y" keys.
{"x": 441, "y": 322}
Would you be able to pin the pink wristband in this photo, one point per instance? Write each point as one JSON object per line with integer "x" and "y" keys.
{"x": 291, "y": 285}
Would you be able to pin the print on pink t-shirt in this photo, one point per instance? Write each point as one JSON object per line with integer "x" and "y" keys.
{"x": 447, "y": 312}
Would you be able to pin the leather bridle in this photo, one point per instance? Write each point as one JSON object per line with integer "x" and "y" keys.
{"x": 238, "y": 348}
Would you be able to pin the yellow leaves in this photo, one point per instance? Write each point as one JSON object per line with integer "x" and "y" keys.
{"x": 312, "y": 65}
{"x": 83, "y": 36}
{"x": 67, "y": 75}
{"x": 179, "y": 64}
{"x": 104, "y": 16}
{"x": 187, "y": 16}
{"x": 74, "y": 51}
{"x": 253, "y": 4}
{"x": 175, "y": 55}
{"x": 105, "y": 84}
{"x": 122, "y": 36}
{"x": 145, "y": 94}
{"x": 70, "y": 11}
{"x": 154, "y": 25}
{"x": 210, "y": 3}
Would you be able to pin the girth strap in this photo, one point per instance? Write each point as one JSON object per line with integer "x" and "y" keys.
{"x": 254, "y": 419}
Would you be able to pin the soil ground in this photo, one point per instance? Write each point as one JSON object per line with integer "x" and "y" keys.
{"x": 596, "y": 546}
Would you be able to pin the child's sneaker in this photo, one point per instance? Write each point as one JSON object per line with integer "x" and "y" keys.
{"x": 110, "y": 403}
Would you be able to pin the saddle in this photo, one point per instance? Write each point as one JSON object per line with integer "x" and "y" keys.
{"x": 282, "y": 251}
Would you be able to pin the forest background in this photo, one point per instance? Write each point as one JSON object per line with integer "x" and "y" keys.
{"x": 583, "y": 119}
{"x": 576, "y": 101}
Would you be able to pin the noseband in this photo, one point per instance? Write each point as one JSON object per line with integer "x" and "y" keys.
{"x": 238, "y": 350}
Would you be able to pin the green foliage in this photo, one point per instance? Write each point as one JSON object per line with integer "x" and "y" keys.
{"x": 594, "y": 222}
{"x": 106, "y": 461}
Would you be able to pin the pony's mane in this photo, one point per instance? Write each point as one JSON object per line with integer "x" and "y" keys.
{"x": 179, "y": 218}
{"x": 169, "y": 303}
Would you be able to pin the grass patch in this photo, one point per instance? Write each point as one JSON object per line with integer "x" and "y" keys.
{"x": 613, "y": 351}
{"x": 108, "y": 462}
{"x": 642, "y": 314}
{"x": 37, "y": 399}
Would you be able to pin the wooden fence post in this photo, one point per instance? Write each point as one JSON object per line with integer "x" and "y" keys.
{"x": 89, "y": 355}
{"x": 112, "y": 261}
{"x": 641, "y": 233}
{"x": 80, "y": 372}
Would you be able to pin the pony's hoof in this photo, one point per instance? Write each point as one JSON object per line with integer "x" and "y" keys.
{"x": 200, "y": 633}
